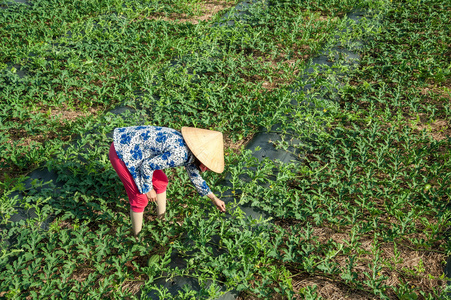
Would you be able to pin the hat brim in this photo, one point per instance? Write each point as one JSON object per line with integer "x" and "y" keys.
{"x": 207, "y": 146}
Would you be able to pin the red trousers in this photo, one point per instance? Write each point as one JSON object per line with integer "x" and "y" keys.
{"x": 137, "y": 201}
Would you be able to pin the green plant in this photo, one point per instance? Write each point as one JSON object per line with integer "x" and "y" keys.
{"x": 371, "y": 187}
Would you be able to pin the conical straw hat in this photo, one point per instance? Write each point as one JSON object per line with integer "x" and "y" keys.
{"x": 207, "y": 146}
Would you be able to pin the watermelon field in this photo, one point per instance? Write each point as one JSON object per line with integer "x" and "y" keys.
{"x": 362, "y": 212}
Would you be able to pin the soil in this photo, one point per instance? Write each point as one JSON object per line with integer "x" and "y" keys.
{"x": 206, "y": 11}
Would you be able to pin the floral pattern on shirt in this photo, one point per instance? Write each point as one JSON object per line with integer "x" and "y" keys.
{"x": 145, "y": 149}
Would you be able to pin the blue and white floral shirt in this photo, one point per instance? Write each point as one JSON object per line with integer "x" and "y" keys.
{"x": 145, "y": 149}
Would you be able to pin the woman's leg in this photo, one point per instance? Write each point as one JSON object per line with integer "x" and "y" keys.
{"x": 161, "y": 205}
{"x": 160, "y": 182}
{"x": 137, "y": 221}
{"x": 137, "y": 201}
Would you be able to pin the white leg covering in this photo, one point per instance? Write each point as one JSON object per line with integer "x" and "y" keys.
{"x": 161, "y": 205}
{"x": 137, "y": 221}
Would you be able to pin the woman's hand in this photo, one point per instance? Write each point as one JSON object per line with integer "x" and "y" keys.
{"x": 152, "y": 195}
{"x": 218, "y": 202}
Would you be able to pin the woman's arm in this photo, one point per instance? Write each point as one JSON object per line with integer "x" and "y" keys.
{"x": 202, "y": 187}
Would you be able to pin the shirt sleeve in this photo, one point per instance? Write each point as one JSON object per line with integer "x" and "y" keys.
{"x": 197, "y": 180}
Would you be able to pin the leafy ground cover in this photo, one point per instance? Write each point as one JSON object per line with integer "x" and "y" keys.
{"x": 364, "y": 217}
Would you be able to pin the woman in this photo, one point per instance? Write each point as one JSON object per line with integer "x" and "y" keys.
{"x": 140, "y": 153}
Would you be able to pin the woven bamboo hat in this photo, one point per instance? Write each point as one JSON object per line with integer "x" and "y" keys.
{"x": 207, "y": 146}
